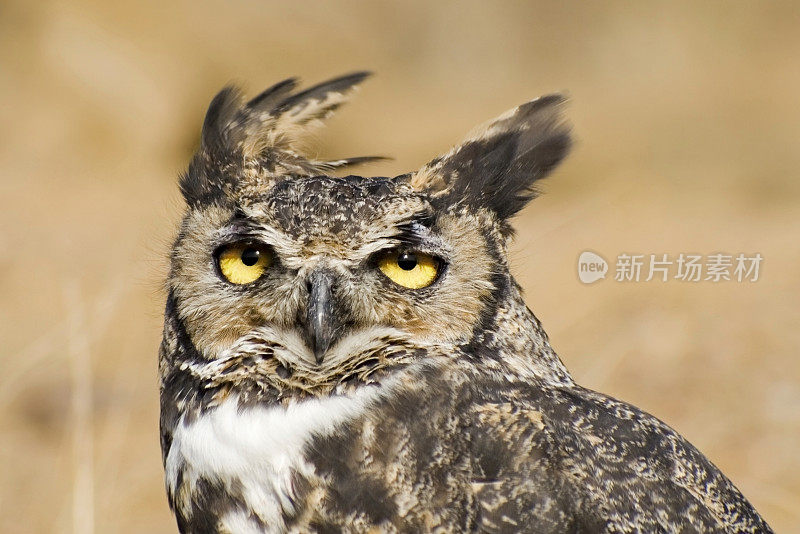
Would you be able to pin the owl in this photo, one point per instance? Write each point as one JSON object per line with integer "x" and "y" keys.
{"x": 352, "y": 354}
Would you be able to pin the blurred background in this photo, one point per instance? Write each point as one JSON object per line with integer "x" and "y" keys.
{"x": 687, "y": 124}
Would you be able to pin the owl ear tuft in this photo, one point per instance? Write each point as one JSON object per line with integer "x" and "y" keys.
{"x": 262, "y": 137}
{"x": 497, "y": 167}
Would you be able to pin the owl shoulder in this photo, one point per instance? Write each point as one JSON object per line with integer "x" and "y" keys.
{"x": 579, "y": 459}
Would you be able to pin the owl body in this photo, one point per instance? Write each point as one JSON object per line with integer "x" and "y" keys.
{"x": 353, "y": 355}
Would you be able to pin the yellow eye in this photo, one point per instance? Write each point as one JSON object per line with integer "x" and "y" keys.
{"x": 413, "y": 270}
{"x": 243, "y": 264}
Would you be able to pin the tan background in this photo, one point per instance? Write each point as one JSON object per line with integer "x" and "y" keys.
{"x": 687, "y": 122}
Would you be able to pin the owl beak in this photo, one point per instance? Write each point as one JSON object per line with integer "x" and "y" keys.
{"x": 321, "y": 324}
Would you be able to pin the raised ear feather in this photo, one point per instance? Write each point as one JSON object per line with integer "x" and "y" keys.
{"x": 261, "y": 136}
{"x": 497, "y": 166}
{"x": 271, "y": 121}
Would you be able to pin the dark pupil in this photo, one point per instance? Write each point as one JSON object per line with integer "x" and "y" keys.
{"x": 250, "y": 256}
{"x": 407, "y": 261}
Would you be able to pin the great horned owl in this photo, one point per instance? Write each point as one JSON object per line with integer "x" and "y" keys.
{"x": 353, "y": 355}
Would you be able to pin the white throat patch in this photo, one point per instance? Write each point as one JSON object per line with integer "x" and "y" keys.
{"x": 257, "y": 448}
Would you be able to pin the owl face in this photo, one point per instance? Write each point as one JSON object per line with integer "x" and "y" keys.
{"x": 323, "y": 273}
{"x": 318, "y": 260}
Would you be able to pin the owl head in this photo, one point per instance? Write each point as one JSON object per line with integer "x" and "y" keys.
{"x": 306, "y": 279}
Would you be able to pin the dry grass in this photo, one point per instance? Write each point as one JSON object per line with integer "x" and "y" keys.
{"x": 687, "y": 125}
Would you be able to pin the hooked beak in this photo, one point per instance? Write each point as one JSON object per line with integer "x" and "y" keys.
{"x": 322, "y": 324}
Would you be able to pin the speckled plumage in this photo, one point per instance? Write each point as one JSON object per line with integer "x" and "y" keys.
{"x": 437, "y": 409}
